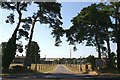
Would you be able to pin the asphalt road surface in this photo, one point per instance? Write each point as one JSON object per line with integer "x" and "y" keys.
{"x": 62, "y": 69}
{"x": 60, "y": 73}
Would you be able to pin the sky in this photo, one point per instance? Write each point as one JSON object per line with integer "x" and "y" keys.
{"x": 42, "y": 34}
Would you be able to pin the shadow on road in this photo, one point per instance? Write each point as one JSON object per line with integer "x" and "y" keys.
{"x": 58, "y": 76}
{"x": 60, "y": 73}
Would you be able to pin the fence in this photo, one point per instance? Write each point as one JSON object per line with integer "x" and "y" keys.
{"x": 78, "y": 67}
{"x": 39, "y": 67}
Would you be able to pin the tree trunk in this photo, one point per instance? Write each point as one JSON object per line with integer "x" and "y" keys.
{"x": 14, "y": 35}
{"x": 19, "y": 21}
{"x": 117, "y": 35}
{"x": 118, "y": 47}
{"x": 109, "y": 62}
{"x": 118, "y": 53}
{"x": 11, "y": 44}
{"x": 98, "y": 46}
{"x": 31, "y": 35}
{"x": 97, "y": 39}
{"x": 26, "y": 62}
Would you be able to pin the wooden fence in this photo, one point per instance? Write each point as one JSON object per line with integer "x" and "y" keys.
{"x": 40, "y": 67}
{"x": 78, "y": 67}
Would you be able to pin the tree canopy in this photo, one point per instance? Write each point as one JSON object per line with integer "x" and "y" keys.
{"x": 87, "y": 27}
{"x": 94, "y": 27}
{"x": 34, "y": 52}
{"x": 48, "y": 13}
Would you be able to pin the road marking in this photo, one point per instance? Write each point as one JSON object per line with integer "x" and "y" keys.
{"x": 68, "y": 69}
{"x": 52, "y": 71}
{"x": 56, "y": 68}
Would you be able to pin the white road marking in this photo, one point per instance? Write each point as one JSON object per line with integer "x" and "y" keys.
{"x": 68, "y": 69}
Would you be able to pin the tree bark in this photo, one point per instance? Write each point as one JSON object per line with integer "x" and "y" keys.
{"x": 98, "y": 46}
{"x": 29, "y": 45}
{"x": 117, "y": 35}
{"x": 118, "y": 53}
{"x": 31, "y": 35}
{"x": 11, "y": 44}
{"x": 14, "y": 35}
{"x": 109, "y": 62}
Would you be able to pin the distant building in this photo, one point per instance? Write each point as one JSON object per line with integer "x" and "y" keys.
{"x": 20, "y": 59}
{"x": 50, "y": 60}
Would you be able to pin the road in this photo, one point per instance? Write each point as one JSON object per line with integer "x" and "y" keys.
{"x": 62, "y": 69}
{"x": 60, "y": 73}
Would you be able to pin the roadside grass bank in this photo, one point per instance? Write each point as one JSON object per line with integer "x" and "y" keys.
{"x": 19, "y": 69}
{"x": 107, "y": 71}
{"x": 82, "y": 69}
{"x": 79, "y": 68}
{"x": 44, "y": 68}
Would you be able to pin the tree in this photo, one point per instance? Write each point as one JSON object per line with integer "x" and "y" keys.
{"x": 106, "y": 28}
{"x": 62, "y": 61}
{"x": 34, "y": 50}
{"x": 11, "y": 44}
{"x": 4, "y": 61}
{"x": 86, "y": 27}
{"x": 6, "y": 57}
{"x": 48, "y": 13}
{"x": 89, "y": 28}
{"x": 115, "y": 8}
{"x": 33, "y": 55}
{"x": 1, "y": 60}
{"x": 56, "y": 61}
{"x": 91, "y": 60}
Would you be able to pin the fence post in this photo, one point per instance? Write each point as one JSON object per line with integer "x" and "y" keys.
{"x": 86, "y": 67}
